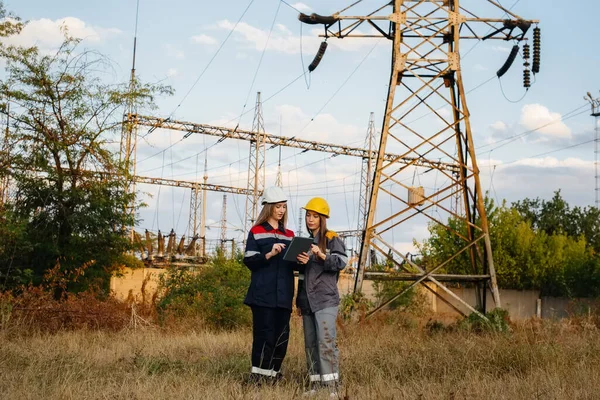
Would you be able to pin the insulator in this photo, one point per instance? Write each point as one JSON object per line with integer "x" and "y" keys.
{"x": 537, "y": 47}
{"x": 526, "y": 79}
{"x": 318, "y": 57}
{"x": 509, "y": 61}
{"x": 526, "y": 51}
{"x": 315, "y": 19}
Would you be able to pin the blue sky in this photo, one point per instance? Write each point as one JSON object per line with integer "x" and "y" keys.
{"x": 176, "y": 40}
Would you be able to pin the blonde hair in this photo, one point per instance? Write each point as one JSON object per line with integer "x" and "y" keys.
{"x": 267, "y": 211}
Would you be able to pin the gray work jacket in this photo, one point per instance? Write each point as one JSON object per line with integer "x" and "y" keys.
{"x": 317, "y": 281}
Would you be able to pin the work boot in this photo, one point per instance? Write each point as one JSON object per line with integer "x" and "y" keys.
{"x": 312, "y": 390}
{"x": 334, "y": 389}
{"x": 253, "y": 379}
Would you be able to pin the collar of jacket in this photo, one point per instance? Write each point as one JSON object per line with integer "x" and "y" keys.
{"x": 269, "y": 228}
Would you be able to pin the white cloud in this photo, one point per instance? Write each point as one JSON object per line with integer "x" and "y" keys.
{"x": 301, "y": 7}
{"x": 539, "y": 118}
{"x": 324, "y": 127}
{"x": 203, "y": 39}
{"x": 498, "y": 127}
{"x": 284, "y": 41}
{"x": 479, "y": 67}
{"x": 174, "y": 51}
{"x": 172, "y": 72}
{"x": 552, "y": 162}
{"x": 46, "y": 33}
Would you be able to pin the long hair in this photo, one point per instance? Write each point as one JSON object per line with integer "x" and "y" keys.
{"x": 266, "y": 213}
{"x": 321, "y": 235}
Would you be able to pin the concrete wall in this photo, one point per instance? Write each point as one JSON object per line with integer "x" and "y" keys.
{"x": 132, "y": 280}
{"x": 521, "y": 304}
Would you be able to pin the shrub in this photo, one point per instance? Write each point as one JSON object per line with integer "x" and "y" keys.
{"x": 354, "y": 302}
{"x": 497, "y": 321}
{"x": 215, "y": 293}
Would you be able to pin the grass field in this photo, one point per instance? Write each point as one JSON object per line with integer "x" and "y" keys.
{"x": 395, "y": 359}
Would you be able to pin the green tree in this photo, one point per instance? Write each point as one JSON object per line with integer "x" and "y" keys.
{"x": 64, "y": 121}
{"x": 526, "y": 257}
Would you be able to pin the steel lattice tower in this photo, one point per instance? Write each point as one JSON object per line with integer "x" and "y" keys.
{"x": 426, "y": 78}
{"x": 595, "y": 104}
{"x": 366, "y": 178}
{"x": 256, "y": 167}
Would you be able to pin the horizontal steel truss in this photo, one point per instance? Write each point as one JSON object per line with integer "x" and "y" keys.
{"x": 275, "y": 140}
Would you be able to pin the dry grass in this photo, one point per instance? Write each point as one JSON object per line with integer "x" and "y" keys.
{"x": 392, "y": 360}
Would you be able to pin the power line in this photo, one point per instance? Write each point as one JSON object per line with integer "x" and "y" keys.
{"x": 207, "y": 65}
{"x": 287, "y": 85}
{"x": 512, "y": 138}
{"x": 339, "y": 88}
{"x": 549, "y": 152}
{"x": 261, "y": 59}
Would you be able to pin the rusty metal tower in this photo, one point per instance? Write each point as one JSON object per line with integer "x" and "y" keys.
{"x": 224, "y": 224}
{"x": 426, "y": 78}
{"x": 256, "y": 167}
{"x": 366, "y": 179}
{"x": 595, "y": 104}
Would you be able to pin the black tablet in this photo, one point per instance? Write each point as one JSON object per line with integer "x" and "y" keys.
{"x": 297, "y": 246}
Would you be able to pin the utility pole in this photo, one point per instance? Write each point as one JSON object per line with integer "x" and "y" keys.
{"x": 595, "y": 104}
{"x": 128, "y": 147}
{"x": 195, "y": 206}
{"x": 300, "y": 222}
{"x": 203, "y": 215}
{"x": 224, "y": 223}
{"x": 278, "y": 178}
{"x": 426, "y": 76}
{"x": 5, "y": 162}
{"x": 256, "y": 167}
{"x": 366, "y": 180}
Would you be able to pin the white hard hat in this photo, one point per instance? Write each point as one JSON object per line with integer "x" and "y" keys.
{"x": 273, "y": 194}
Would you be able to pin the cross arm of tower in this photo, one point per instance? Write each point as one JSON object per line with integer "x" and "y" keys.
{"x": 241, "y": 134}
{"x": 415, "y": 25}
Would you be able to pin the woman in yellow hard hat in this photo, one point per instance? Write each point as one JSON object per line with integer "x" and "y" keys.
{"x": 318, "y": 298}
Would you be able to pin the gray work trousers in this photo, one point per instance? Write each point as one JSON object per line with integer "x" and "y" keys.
{"x": 320, "y": 345}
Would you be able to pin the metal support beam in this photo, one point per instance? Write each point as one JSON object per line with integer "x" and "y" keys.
{"x": 274, "y": 140}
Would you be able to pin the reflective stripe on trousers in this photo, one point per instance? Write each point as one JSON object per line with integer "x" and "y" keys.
{"x": 322, "y": 354}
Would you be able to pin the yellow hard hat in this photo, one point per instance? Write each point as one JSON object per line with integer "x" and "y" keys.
{"x": 318, "y": 205}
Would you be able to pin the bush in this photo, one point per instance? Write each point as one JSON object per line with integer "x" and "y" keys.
{"x": 354, "y": 302}
{"x": 497, "y": 321}
{"x": 50, "y": 308}
{"x": 215, "y": 293}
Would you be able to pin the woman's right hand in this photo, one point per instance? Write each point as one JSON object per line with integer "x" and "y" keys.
{"x": 277, "y": 248}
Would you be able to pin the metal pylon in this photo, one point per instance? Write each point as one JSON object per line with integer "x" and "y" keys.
{"x": 224, "y": 223}
{"x": 366, "y": 179}
{"x": 595, "y": 104}
{"x": 256, "y": 167}
{"x": 426, "y": 78}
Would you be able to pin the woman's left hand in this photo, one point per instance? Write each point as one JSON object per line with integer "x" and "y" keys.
{"x": 302, "y": 258}
{"x": 317, "y": 251}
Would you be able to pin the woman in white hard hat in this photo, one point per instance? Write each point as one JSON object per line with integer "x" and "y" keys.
{"x": 318, "y": 297}
{"x": 271, "y": 290}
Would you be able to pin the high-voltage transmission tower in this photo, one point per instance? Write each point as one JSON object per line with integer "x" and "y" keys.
{"x": 5, "y": 154}
{"x": 366, "y": 179}
{"x": 595, "y": 103}
{"x": 197, "y": 220}
{"x": 224, "y": 223}
{"x": 425, "y": 78}
{"x": 256, "y": 167}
